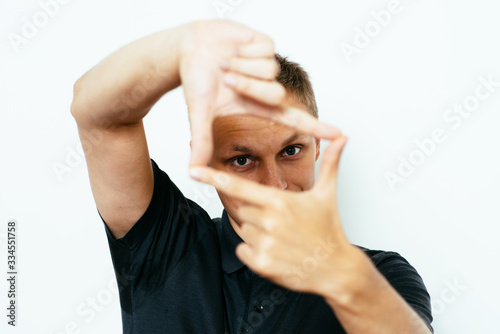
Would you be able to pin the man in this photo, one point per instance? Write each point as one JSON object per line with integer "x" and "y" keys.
{"x": 277, "y": 261}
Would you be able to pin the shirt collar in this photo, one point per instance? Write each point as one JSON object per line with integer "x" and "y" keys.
{"x": 228, "y": 240}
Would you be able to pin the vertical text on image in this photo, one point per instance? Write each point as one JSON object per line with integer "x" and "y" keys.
{"x": 12, "y": 266}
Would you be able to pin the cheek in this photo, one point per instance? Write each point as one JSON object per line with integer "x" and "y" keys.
{"x": 301, "y": 177}
{"x": 230, "y": 204}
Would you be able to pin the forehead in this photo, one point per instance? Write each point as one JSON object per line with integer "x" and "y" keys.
{"x": 239, "y": 124}
{"x": 241, "y": 132}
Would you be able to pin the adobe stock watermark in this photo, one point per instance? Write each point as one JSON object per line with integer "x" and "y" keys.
{"x": 89, "y": 309}
{"x": 363, "y": 36}
{"x": 449, "y": 295}
{"x": 296, "y": 273}
{"x": 262, "y": 309}
{"x": 121, "y": 108}
{"x": 221, "y": 7}
{"x": 31, "y": 26}
{"x": 202, "y": 197}
{"x": 453, "y": 117}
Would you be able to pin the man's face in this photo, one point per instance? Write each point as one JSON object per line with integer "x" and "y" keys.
{"x": 264, "y": 152}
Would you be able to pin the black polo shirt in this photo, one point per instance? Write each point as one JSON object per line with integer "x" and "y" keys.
{"x": 177, "y": 272}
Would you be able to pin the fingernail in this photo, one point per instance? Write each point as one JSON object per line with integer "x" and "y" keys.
{"x": 224, "y": 64}
{"x": 328, "y": 131}
{"x": 230, "y": 80}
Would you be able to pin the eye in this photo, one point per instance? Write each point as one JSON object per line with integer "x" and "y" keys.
{"x": 241, "y": 161}
{"x": 291, "y": 150}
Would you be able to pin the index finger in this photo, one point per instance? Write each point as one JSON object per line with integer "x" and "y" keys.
{"x": 305, "y": 123}
{"x": 293, "y": 117}
{"x": 234, "y": 186}
{"x": 267, "y": 99}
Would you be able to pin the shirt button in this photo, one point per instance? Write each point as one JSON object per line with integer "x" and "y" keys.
{"x": 259, "y": 308}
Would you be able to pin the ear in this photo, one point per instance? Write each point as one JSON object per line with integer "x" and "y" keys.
{"x": 317, "y": 148}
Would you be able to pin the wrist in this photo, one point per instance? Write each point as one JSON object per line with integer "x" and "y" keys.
{"x": 185, "y": 39}
{"x": 354, "y": 282}
{"x": 166, "y": 47}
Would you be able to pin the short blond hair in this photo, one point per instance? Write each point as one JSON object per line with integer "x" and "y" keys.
{"x": 296, "y": 82}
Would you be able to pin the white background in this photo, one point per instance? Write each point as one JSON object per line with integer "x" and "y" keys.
{"x": 394, "y": 91}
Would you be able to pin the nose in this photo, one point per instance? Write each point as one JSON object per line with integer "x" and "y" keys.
{"x": 272, "y": 175}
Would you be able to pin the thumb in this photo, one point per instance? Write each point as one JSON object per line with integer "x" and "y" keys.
{"x": 327, "y": 178}
{"x": 201, "y": 136}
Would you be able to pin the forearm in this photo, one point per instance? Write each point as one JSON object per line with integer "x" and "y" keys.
{"x": 369, "y": 304}
{"x": 123, "y": 87}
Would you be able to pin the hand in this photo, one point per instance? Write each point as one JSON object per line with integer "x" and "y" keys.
{"x": 228, "y": 68}
{"x": 293, "y": 238}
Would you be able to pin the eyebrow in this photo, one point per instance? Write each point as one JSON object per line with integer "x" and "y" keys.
{"x": 290, "y": 139}
{"x": 244, "y": 149}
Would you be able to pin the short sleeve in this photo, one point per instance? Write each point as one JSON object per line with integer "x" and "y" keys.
{"x": 405, "y": 280}
{"x": 168, "y": 230}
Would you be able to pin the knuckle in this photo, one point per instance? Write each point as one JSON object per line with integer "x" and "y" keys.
{"x": 278, "y": 204}
{"x": 267, "y": 243}
{"x": 243, "y": 50}
{"x": 243, "y": 84}
{"x": 268, "y": 224}
{"x": 233, "y": 64}
{"x": 262, "y": 261}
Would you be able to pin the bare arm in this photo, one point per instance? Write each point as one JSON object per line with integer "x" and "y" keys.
{"x": 109, "y": 103}
{"x": 113, "y": 97}
{"x": 369, "y": 304}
